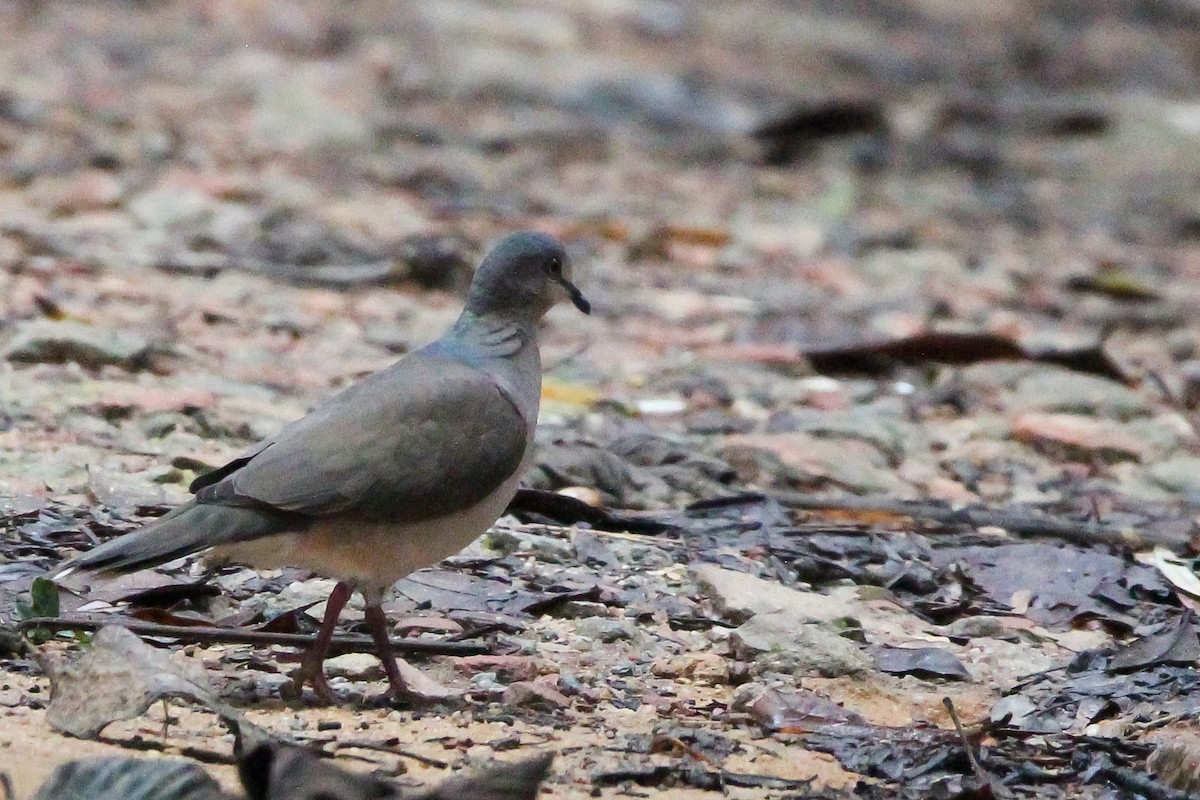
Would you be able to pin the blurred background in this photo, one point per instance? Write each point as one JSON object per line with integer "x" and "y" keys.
{"x": 203, "y": 199}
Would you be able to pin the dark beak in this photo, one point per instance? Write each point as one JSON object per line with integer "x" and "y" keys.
{"x": 577, "y": 298}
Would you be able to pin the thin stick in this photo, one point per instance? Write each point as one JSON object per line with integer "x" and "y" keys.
{"x": 346, "y": 643}
{"x": 962, "y": 734}
{"x": 391, "y": 749}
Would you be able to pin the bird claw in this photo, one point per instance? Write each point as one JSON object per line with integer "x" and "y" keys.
{"x": 305, "y": 674}
{"x": 387, "y": 700}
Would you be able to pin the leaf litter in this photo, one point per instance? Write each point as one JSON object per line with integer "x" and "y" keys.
{"x": 840, "y": 352}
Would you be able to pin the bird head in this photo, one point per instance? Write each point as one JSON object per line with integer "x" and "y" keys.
{"x": 525, "y": 274}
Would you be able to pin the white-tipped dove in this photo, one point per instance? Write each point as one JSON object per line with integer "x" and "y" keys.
{"x": 393, "y": 474}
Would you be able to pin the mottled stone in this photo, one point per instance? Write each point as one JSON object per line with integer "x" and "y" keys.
{"x": 740, "y": 596}
{"x": 778, "y": 642}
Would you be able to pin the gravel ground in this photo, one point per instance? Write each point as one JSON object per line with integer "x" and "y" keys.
{"x": 909, "y": 251}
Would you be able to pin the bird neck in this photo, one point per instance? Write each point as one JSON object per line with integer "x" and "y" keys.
{"x": 496, "y": 334}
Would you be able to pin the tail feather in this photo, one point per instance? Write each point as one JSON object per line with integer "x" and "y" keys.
{"x": 188, "y": 529}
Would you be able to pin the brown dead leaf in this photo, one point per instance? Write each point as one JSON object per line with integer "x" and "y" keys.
{"x": 862, "y": 517}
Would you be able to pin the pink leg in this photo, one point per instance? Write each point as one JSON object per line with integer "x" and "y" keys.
{"x": 377, "y": 624}
{"x": 310, "y": 670}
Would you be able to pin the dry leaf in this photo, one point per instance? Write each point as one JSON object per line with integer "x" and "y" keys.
{"x": 1176, "y": 571}
{"x": 119, "y": 677}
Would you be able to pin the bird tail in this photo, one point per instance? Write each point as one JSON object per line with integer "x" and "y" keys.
{"x": 188, "y": 529}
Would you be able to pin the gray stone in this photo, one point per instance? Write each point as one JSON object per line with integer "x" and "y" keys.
{"x": 739, "y": 597}
{"x": 168, "y": 206}
{"x": 48, "y": 341}
{"x": 902, "y": 271}
{"x": 354, "y": 666}
{"x": 1057, "y": 389}
{"x": 580, "y": 609}
{"x": 531, "y": 694}
{"x": 853, "y": 464}
{"x": 120, "y": 490}
{"x": 605, "y": 629}
{"x": 545, "y": 548}
{"x": 1136, "y": 482}
{"x": 161, "y": 423}
{"x": 486, "y": 681}
{"x": 779, "y": 642}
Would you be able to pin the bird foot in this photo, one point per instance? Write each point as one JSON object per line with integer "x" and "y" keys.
{"x": 315, "y": 677}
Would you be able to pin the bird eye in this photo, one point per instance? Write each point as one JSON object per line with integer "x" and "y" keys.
{"x": 555, "y": 266}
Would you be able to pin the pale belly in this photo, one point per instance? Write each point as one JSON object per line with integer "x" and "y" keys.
{"x": 372, "y": 555}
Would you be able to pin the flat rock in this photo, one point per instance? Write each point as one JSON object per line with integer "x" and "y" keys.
{"x": 49, "y": 341}
{"x": 121, "y": 490}
{"x": 355, "y": 666}
{"x": 1054, "y": 389}
{"x": 850, "y": 463}
{"x": 580, "y": 609}
{"x": 981, "y": 626}
{"x": 604, "y": 629}
{"x": 1163, "y": 433}
{"x": 776, "y": 642}
{"x": 740, "y": 596}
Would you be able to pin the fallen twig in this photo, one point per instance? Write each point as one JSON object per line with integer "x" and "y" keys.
{"x": 345, "y": 643}
{"x": 390, "y": 747}
{"x": 978, "y": 771}
{"x": 529, "y": 504}
{"x": 1139, "y": 783}
{"x": 1026, "y": 525}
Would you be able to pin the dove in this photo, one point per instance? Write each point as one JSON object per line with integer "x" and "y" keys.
{"x": 391, "y": 475}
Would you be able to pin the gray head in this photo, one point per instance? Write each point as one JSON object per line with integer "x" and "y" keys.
{"x": 525, "y": 274}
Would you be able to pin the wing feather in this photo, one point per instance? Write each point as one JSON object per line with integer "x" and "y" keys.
{"x": 421, "y": 439}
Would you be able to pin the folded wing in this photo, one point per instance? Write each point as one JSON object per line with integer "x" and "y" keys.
{"x": 421, "y": 439}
